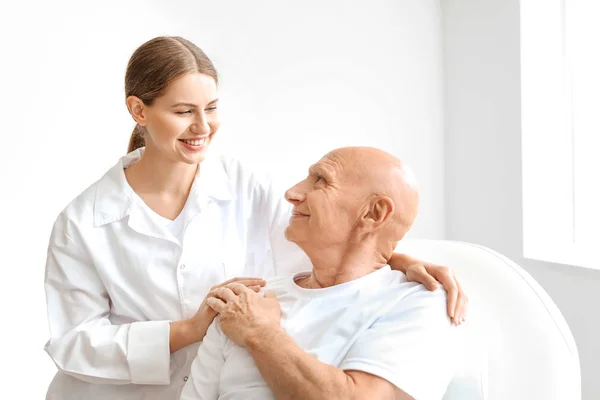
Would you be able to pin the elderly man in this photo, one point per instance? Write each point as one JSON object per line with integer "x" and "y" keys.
{"x": 350, "y": 328}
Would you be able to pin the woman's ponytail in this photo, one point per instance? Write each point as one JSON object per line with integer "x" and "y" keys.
{"x": 137, "y": 139}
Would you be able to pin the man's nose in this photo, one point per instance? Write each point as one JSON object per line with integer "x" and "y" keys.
{"x": 295, "y": 194}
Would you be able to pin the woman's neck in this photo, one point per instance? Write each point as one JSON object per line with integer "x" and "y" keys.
{"x": 162, "y": 184}
{"x": 155, "y": 174}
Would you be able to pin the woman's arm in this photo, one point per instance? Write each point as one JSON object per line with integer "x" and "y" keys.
{"x": 429, "y": 275}
{"x": 83, "y": 342}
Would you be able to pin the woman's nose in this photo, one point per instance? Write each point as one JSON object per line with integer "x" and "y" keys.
{"x": 201, "y": 126}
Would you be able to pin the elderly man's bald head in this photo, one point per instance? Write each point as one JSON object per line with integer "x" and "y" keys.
{"x": 374, "y": 172}
{"x": 351, "y": 193}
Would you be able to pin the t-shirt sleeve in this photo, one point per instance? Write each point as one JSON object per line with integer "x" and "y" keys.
{"x": 205, "y": 374}
{"x": 411, "y": 346}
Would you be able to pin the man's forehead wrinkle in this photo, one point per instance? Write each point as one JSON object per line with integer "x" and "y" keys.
{"x": 330, "y": 164}
{"x": 362, "y": 165}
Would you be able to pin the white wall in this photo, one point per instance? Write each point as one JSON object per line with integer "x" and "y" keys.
{"x": 483, "y": 161}
{"x": 298, "y": 79}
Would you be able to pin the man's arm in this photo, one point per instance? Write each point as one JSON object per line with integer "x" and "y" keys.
{"x": 409, "y": 347}
{"x": 292, "y": 373}
{"x": 203, "y": 382}
{"x": 252, "y": 321}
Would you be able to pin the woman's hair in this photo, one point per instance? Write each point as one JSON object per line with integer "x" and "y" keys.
{"x": 157, "y": 63}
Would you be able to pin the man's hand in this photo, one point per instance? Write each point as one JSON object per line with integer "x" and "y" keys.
{"x": 245, "y": 316}
{"x": 253, "y": 283}
{"x": 185, "y": 332}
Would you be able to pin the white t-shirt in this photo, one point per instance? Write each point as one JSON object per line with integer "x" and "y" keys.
{"x": 379, "y": 324}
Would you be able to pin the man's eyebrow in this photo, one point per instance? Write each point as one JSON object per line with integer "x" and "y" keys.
{"x": 319, "y": 170}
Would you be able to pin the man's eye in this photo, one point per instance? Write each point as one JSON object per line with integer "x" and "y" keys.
{"x": 183, "y": 112}
{"x": 210, "y": 109}
{"x": 319, "y": 178}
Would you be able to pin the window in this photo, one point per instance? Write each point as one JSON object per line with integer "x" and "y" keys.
{"x": 560, "y": 83}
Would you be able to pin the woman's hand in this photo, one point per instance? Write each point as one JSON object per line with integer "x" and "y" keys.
{"x": 185, "y": 332}
{"x": 430, "y": 275}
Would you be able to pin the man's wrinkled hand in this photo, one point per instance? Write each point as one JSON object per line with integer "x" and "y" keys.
{"x": 244, "y": 315}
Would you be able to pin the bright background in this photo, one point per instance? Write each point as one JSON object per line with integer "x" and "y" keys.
{"x": 433, "y": 82}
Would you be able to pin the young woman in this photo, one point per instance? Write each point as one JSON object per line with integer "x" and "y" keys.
{"x": 132, "y": 258}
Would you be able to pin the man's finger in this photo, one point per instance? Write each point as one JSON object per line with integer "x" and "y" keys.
{"x": 225, "y": 294}
{"x": 237, "y": 288}
{"x": 216, "y": 304}
{"x": 270, "y": 295}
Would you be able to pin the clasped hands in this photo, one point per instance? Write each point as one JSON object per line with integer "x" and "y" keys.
{"x": 244, "y": 315}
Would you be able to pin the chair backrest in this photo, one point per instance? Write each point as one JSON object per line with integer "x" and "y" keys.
{"x": 517, "y": 345}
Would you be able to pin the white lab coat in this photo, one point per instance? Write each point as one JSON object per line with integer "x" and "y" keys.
{"x": 114, "y": 278}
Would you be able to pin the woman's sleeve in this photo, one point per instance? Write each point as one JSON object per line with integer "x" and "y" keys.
{"x": 287, "y": 257}
{"x": 83, "y": 342}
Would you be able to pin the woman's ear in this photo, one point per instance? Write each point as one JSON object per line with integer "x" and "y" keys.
{"x": 137, "y": 109}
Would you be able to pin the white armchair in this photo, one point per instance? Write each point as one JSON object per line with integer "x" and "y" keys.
{"x": 517, "y": 345}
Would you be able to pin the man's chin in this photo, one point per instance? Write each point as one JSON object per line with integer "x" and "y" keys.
{"x": 286, "y": 233}
{"x": 290, "y": 235}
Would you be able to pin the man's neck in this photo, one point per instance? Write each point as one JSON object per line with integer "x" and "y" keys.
{"x": 334, "y": 266}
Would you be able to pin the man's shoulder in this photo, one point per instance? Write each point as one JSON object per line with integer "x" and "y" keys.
{"x": 413, "y": 300}
{"x": 410, "y": 342}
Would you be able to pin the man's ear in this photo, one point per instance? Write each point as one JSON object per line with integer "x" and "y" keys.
{"x": 378, "y": 213}
{"x": 137, "y": 109}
